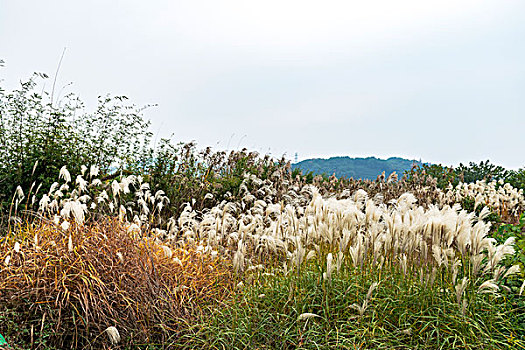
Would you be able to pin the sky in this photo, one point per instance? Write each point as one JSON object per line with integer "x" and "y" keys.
{"x": 442, "y": 81}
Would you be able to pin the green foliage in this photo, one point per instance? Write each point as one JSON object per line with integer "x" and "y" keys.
{"x": 517, "y": 232}
{"x": 467, "y": 174}
{"x": 443, "y": 175}
{"x": 38, "y": 136}
{"x": 202, "y": 178}
{"x": 13, "y": 329}
{"x": 399, "y": 315}
{"x": 482, "y": 171}
{"x": 516, "y": 178}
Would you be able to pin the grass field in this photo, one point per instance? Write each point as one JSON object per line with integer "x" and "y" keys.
{"x": 282, "y": 264}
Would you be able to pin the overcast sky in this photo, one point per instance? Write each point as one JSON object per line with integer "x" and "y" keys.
{"x": 443, "y": 80}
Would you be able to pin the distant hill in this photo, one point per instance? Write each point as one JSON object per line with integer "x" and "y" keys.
{"x": 357, "y": 168}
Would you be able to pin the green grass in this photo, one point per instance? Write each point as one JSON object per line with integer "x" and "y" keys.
{"x": 399, "y": 316}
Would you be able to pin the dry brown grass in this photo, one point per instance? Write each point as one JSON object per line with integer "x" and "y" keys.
{"x": 69, "y": 294}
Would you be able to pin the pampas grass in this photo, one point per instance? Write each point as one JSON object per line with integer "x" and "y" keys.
{"x": 95, "y": 232}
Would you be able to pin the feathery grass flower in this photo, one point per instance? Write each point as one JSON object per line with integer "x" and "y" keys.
{"x": 113, "y": 335}
{"x": 64, "y": 174}
{"x": 306, "y": 316}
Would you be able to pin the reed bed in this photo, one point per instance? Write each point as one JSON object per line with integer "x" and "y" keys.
{"x": 100, "y": 254}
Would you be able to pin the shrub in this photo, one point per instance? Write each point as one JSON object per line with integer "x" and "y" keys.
{"x": 38, "y": 136}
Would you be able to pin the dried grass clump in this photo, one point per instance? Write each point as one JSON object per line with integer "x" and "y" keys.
{"x": 70, "y": 288}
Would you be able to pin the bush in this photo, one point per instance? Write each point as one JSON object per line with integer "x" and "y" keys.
{"x": 38, "y": 136}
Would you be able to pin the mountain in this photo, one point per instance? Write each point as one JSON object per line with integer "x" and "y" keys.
{"x": 358, "y": 168}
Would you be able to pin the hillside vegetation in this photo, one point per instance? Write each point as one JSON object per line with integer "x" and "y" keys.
{"x": 135, "y": 245}
{"x": 358, "y": 168}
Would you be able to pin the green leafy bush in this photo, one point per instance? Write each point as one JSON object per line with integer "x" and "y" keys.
{"x": 38, "y": 136}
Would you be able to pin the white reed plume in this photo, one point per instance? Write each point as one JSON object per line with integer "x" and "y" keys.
{"x": 70, "y": 244}
{"x": 475, "y": 261}
{"x": 113, "y": 335}
{"x": 522, "y": 287}
{"x": 34, "y": 168}
{"x": 371, "y": 289}
{"x": 406, "y": 201}
{"x": 488, "y": 287}
{"x": 126, "y": 182}
{"x": 84, "y": 198}
{"x": 177, "y": 261}
{"x": 65, "y": 225}
{"x": 299, "y": 253}
{"x": 160, "y": 195}
{"x": 485, "y": 212}
{"x": 498, "y": 253}
{"x": 167, "y": 251}
{"x": 403, "y": 261}
{"x": 19, "y": 193}
{"x": 464, "y": 307}
{"x": 329, "y": 267}
{"x": 44, "y": 203}
{"x": 512, "y": 270}
{"x": 133, "y": 229}
{"x": 102, "y": 197}
{"x": 75, "y": 208}
{"x": 82, "y": 184}
{"x": 455, "y": 269}
{"x": 115, "y": 188}
{"x": 53, "y": 188}
{"x": 311, "y": 255}
{"x": 122, "y": 213}
{"x": 64, "y": 174}
{"x": 497, "y": 272}
{"x": 36, "y": 193}
{"x": 306, "y": 316}
{"x": 460, "y": 288}
{"x": 360, "y": 308}
{"x": 355, "y": 253}
{"x": 93, "y": 171}
{"x": 339, "y": 261}
{"x": 238, "y": 258}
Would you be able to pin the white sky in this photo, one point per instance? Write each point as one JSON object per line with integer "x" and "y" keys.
{"x": 443, "y": 81}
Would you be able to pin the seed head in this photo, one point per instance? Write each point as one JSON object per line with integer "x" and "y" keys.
{"x": 306, "y": 316}
{"x": 64, "y": 174}
{"x": 113, "y": 334}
